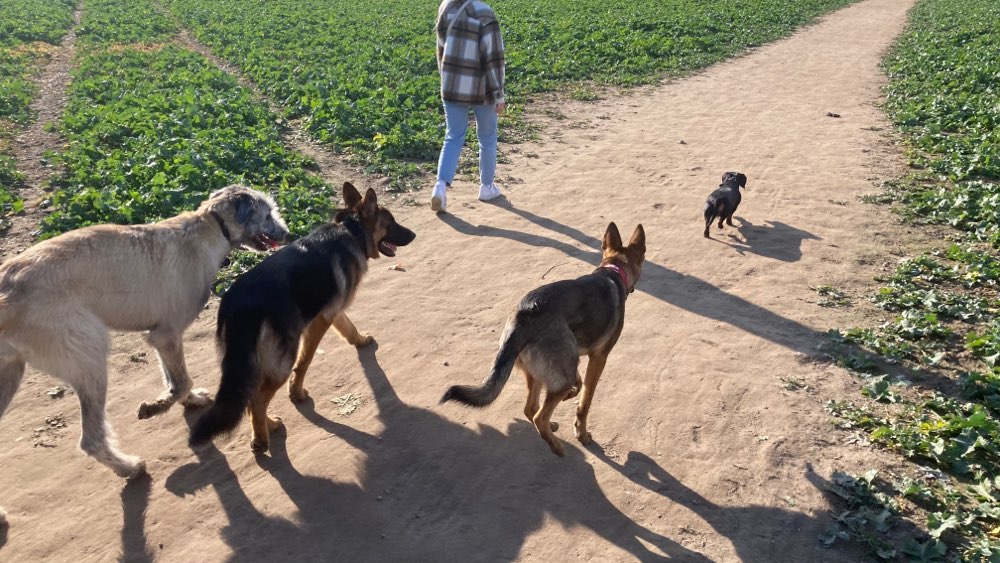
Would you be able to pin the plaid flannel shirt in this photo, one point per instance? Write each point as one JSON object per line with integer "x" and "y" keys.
{"x": 471, "y": 57}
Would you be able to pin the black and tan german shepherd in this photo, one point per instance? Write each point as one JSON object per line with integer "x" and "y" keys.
{"x": 279, "y": 311}
{"x": 556, "y": 324}
{"x": 722, "y": 202}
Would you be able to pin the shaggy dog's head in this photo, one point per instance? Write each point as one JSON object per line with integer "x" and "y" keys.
{"x": 248, "y": 218}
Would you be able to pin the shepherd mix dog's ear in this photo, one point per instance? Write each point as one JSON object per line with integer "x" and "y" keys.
{"x": 612, "y": 239}
{"x": 638, "y": 240}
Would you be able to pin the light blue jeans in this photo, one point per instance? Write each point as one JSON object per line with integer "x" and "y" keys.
{"x": 456, "y": 118}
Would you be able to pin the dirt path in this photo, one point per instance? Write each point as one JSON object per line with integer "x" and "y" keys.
{"x": 32, "y": 143}
{"x": 702, "y": 454}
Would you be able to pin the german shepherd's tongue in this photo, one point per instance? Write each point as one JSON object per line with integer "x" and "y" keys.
{"x": 387, "y": 248}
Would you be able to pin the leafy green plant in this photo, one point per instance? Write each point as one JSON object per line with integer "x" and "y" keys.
{"x": 832, "y": 297}
{"x": 942, "y": 94}
{"x": 28, "y": 28}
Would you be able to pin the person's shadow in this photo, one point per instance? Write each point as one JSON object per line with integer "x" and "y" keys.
{"x": 757, "y": 533}
{"x": 773, "y": 239}
{"x": 670, "y": 286}
{"x": 430, "y": 490}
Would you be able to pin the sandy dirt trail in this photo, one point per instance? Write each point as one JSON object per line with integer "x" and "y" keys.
{"x": 700, "y": 454}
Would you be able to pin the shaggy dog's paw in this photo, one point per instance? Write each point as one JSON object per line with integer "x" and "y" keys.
{"x": 197, "y": 398}
{"x": 132, "y": 470}
{"x": 147, "y": 410}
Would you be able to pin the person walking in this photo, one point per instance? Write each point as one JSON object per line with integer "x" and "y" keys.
{"x": 470, "y": 57}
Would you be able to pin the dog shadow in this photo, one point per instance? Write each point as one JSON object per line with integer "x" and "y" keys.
{"x": 135, "y": 502}
{"x": 670, "y": 286}
{"x": 773, "y": 239}
{"x": 477, "y": 492}
{"x": 757, "y": 533}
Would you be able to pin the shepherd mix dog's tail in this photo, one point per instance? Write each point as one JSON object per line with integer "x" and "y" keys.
{"x": 511, "y": 344}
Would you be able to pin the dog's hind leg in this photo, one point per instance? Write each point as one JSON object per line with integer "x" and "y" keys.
{"x": 262, "y": 425}
{"x": 595, "y": 366}
{"x": 11, "y": 373}
{"x": 531, "y": 406}
{"x": 98, "y": 439}
{"x": 543, "y": 420}
{"x": 81, "y": 361}
{"x": 170, "y": 349}
{"x": 307, "y": 349}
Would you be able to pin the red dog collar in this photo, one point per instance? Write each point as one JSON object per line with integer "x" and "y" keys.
{"x": 621, "y": 274}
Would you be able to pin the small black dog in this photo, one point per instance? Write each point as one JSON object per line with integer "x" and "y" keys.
{"x": 722, "y": 203}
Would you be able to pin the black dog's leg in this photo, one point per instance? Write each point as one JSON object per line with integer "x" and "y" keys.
{"x": 729, "y": 220}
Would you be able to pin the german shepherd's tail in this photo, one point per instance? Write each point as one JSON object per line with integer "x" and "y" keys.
{"x": 513, "y": 342}
{"x": 240, "y": 378}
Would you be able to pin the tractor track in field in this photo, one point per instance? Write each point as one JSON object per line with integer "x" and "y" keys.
{"x": 39, "y": 137}
{"x": 329, "y": 166}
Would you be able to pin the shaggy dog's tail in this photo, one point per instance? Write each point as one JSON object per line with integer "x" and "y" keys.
{"x": 240, "y": 378}
{"x": 510, "y": 346}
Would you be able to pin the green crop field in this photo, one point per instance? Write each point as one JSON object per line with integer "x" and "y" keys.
{"x": 363, "y": 75}
{"x": 28, "y": 28}
{"x": 943, "y": 95}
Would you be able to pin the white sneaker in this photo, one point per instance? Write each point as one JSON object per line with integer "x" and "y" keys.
{"x": 439, "y": 197}
{"x": 488, "y": 192}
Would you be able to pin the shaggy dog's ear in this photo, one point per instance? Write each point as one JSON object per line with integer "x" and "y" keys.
{"x": 612, "y": 239}
{"x": 351, "y": 196}
{"x": 243, "y": 208}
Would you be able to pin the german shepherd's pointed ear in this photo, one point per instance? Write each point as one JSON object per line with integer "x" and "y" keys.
{"x": 369, "y": 205}
{"x": 638, "y": 240}
{"x": 351, "y": 196}
{"x": 612, "y": 239}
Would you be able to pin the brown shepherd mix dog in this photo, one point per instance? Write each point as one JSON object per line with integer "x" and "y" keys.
{"x": 556, "y": 324}
{"x": 285, "y": 305}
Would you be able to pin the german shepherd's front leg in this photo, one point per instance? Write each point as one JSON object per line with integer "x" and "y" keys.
{"x": 595, "y": 366}
{"x": 307, "y": 349}
{"x": 350, "y": 332}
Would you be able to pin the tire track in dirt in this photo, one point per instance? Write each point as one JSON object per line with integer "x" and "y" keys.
{"x": 329, "y": 166}
{"x": 31, "y": 144}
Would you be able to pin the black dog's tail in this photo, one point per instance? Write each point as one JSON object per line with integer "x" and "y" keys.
{"x": 240, "y": 378}
{"x": 512, "y": 344}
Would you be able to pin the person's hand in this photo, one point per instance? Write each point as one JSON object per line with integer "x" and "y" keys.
{"x": 500, "y": 107}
